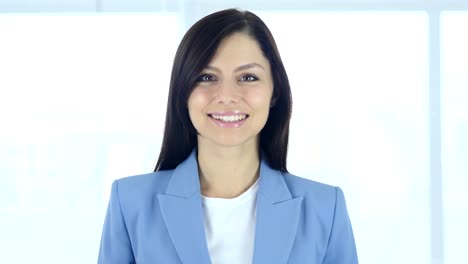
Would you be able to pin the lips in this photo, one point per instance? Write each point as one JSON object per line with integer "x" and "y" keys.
{"x": 228, "y": 119}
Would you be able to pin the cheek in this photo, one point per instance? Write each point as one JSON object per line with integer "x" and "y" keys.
{"x": 192, "y": 106}
{"x": 261, "y": 99}
{"x": 195, "y": 101}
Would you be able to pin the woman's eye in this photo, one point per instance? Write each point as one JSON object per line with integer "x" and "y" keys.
{"x": 248, "y": 78}
{"x": 206, "y": 78}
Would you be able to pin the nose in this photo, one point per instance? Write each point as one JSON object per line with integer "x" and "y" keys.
{"x": 228, "y": 93}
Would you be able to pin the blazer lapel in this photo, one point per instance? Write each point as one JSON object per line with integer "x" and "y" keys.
{"x": 181, "y": 209}
{"x": 277, "y": 218}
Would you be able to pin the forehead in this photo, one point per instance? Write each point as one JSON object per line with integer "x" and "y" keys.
{"x": 239, "y": 48}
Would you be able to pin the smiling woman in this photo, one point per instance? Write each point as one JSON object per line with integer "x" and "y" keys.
{"x": 221, "y": 192}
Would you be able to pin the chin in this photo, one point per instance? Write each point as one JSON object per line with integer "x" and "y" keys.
{"x": 230, "y": 142}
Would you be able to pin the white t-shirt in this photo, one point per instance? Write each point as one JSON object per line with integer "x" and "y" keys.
{"x": 230, "y": 227}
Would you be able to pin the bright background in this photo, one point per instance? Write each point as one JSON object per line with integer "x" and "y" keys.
{"x": 380, "y": 90}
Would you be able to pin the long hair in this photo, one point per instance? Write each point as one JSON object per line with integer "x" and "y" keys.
{"x": 195, "y": 51}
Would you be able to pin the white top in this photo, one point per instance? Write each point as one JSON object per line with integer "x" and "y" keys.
{"x": 230, "y": 227}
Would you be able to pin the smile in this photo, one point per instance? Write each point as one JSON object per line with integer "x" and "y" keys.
{"x": 234, "y": 119}
{"x": 229, "y": 118}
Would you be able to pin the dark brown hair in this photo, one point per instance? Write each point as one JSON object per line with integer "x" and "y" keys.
{"x": 193, "y": 54}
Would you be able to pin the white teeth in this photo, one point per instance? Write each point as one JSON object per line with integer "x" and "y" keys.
{"x": 231, "y": 118}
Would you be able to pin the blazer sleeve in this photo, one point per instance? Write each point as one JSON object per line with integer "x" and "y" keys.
{"x": 341, "y": 246}
{"x": 115, "y": 243}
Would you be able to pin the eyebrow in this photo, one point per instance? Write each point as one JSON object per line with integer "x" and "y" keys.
{"x": 240, "y": 68}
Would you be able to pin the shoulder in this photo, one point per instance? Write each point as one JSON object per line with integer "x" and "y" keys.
{"x": 133, "y": 190}
{"x": 322, "y": 197}
{"x": 150, "y": 182}
{"x": 299, "y": 186}
{"x": 325, "y": 204}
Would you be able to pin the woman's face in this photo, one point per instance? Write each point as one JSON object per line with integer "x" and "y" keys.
{"x": 230, "y": 102}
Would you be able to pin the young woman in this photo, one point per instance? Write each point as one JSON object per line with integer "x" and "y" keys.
{"x": 221, "y": 192}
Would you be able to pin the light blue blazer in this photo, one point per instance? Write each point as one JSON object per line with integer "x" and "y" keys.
{"x": 157, "y": 218}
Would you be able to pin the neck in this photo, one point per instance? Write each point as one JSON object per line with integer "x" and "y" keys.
{"x": 227, "y": 172}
